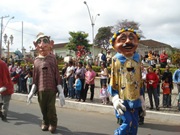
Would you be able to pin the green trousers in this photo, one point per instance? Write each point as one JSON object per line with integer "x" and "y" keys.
{"x": 47, "y": 100}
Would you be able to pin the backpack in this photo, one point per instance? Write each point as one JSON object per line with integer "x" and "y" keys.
{"x": 103, "y": 57}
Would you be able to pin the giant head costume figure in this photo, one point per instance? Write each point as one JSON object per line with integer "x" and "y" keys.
{"x": 46, "y": 70}
{"x": 125, "y": 83}
{"x": 125, "y": 41}
{"x": 43, "y": 44}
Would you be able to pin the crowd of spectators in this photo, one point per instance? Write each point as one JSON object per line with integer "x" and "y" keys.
{"x": 21, "y": 74}
{"x": 153, "y": 59}
{"x": 154, "y": 81}
{"x": 87, "y": 75}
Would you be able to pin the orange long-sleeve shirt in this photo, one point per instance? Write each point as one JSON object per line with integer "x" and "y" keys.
{"x": 166, "y": 88}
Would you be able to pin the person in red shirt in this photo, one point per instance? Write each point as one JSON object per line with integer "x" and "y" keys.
{"x": 163, "y": 59}
{"x": 152, "y": 81}
{"x": 166, "y": 92}
{"x": 6, "y": 89}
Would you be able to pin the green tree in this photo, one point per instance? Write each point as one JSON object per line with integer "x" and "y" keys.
{"x": 128, "y": 24}
{"x": 175, "y": 50}
{"x": 103, "y": 36}
{"x": 78, "y": 39}
{"x": 175, "y": 57}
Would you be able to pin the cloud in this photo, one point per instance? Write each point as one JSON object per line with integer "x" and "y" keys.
{"x": 159, "y": 19}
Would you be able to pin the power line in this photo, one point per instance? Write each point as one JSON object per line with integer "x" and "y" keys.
{"x": 35, "y": 35}
{"x": 21, "y": 31}
{"x": 57, "y": 39}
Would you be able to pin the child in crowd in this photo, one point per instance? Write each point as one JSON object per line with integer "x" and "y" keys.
{"x": 29, "y": 81}
{"x": 166, "y": 93}
{"x": 104, "y": 94}
{"x": 77, "y": 87}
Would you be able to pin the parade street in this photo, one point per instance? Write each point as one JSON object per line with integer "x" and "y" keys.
{"x": 26, "y": 119}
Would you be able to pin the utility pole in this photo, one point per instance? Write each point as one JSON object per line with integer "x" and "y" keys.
{"x": 22, "y": 38}
{"x": 2, "y": 33}
{"x": 92, "y": 19}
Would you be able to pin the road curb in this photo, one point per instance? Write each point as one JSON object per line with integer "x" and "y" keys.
{"x": 104, "y": 109}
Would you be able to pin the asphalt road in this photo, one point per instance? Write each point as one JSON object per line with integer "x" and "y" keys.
{"x": 26, "y": 119}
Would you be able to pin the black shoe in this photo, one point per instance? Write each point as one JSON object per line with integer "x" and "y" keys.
{"x": 0, "y": 114}
{"x": 83, "y": 100}
{"x": 157, "y": 108}
{"x": 151, "y": 108}
{"x": 44, "y": 127}
{"x": 3, "y": 118}
{"x": 141, "y": 122}
{"x": 91, "y": 100}
{"x": 119, "y": 121}
{"x": 169, "y": 106}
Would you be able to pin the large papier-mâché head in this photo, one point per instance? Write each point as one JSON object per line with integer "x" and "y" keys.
{"x": 125, "y": 41}
{"x": 43, "y": 44}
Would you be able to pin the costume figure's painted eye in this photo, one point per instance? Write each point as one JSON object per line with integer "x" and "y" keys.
{"x": 44, "y": 40}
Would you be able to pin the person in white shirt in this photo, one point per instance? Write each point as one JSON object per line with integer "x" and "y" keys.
{"x": 104, "y": 94}
{"x": 89, "y": 58}
{"x": 70, "y": 79}
{"x": 108, "y": 56}
{"x": 99, "y": 58}
{"x": 103, "y": 74}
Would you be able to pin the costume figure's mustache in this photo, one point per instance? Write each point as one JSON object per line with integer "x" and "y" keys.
{"x": 128, "y": 46}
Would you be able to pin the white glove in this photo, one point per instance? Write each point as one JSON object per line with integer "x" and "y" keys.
{"x": 143, "y": 105}
{"x": 61, "y": 95}
{"x": 2, "y": 89}
{"x": 118, "y": 104}
{"x": 30, "y": 95}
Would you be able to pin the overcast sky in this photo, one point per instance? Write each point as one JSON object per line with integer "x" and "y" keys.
{"x": 159, "y": 19}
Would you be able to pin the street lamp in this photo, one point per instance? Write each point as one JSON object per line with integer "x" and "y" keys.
{"x": 92, "y": 19}
{"x": 2, "y": 30}
{"x": 8, "y": 42}
{"x": 7, "y": 24}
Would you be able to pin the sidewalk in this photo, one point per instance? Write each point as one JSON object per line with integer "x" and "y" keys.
{"x": 164, "y": 114}
{"x": 173, "y": 109}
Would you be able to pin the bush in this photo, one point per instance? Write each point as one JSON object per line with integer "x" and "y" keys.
{"x": 95, "y": 68}
{"x": 60, "y": 67}
{"x": 172, "y": 69}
